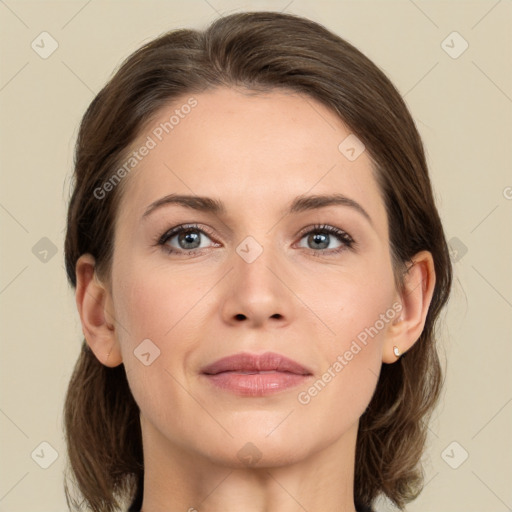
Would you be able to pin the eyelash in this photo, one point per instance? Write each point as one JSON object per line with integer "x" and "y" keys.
{"x": 346, "y": 240}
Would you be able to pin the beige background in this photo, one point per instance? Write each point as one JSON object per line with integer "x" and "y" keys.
{"x": 462, "y": 107}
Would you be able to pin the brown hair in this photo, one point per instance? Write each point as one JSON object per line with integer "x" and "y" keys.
{"x": 256, "y": 51}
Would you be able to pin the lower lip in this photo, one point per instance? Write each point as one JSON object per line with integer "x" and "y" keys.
{"x": 256, "y": 384}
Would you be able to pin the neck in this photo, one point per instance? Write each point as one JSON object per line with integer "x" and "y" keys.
{"x": 178, "y": 480}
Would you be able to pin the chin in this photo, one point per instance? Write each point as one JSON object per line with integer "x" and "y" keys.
{"x": 250, "y": 448}
{"x": 256, "y": 455}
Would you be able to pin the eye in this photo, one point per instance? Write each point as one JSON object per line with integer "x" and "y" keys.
{"x": 187, "y": 238}
{"x": 327, "y": 239}
{"x": 190, "y": 239}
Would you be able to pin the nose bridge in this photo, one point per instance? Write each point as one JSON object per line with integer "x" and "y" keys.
{"x": 256, "y": 264}
{"x": 255, "y": 292}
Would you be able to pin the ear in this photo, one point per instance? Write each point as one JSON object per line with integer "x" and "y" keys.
{"x": 94, "y": 303}
{"x": 419, "y": 283}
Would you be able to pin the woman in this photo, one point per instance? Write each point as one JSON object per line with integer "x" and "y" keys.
{"x": 259, "y": 265}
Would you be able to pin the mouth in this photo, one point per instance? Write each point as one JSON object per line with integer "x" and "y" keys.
{"x": 256, "y": 375}
{"x": 249, "y": 364}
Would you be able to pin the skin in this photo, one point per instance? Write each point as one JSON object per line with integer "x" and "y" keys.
{"x": 255, "y": 153}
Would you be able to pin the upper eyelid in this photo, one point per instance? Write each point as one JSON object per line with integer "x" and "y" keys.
{"x": 174, "y": 231}
{"x": 333, "y": 230}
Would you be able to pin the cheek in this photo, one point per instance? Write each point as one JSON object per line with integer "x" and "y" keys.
{"x": 358, "y": 310}
{"x": 152, "y": 303}
{"x": 354, "y": 302}
{"x": 154, "y": 313}
{"x": 159, "y": 313}
{"x": 351, "y": 363}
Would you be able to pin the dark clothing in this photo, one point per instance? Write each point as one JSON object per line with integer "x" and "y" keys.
{"x": 137, "y": 502}
{"x": 362, "y": 508}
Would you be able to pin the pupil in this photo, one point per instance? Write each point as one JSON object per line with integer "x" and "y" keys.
{"x": 322, "y": 239}
{"x": 189, "y": 237}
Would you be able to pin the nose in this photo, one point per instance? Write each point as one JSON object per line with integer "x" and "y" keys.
{"x": 257, "y": 293}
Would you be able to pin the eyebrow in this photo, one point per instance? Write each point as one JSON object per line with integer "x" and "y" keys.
{"x": 299, "y": 204}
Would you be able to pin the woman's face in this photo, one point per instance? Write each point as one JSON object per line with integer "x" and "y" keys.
{"x": 256, "y": 275}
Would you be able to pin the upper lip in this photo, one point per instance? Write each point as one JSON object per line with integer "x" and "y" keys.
{"x": 245, "y": 362}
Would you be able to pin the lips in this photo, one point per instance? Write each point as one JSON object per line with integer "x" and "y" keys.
{"x": 249, "y": 375}
{"x": 245, "y": 363}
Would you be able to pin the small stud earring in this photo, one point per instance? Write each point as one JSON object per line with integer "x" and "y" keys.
{"x": 397, "y": 352}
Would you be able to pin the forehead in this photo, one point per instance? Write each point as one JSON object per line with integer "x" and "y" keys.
{"x": 249, "y": 150}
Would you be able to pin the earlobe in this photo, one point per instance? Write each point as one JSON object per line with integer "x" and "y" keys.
{"x": 92, "y": 298}
{"x": 419, "y": 284}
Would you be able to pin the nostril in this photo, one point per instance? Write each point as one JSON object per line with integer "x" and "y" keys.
{"x": 240, "y": 316}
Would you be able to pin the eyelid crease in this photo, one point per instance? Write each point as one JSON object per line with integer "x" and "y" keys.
{"x": 327, "y": 228}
